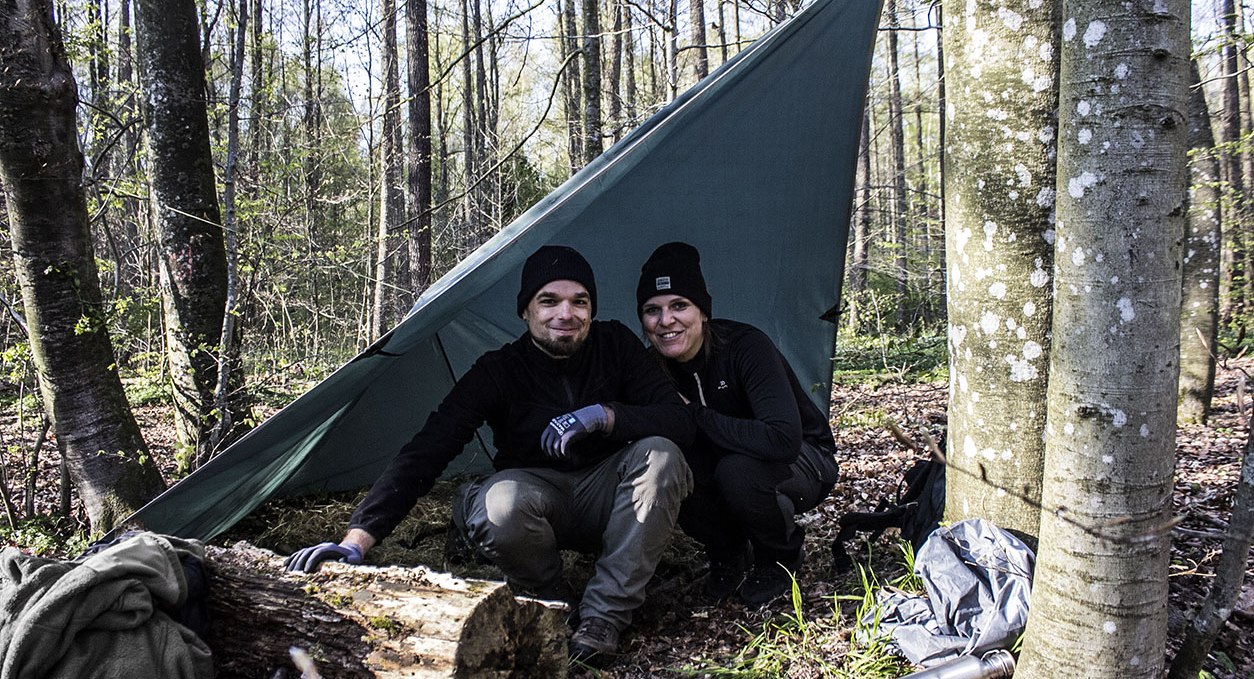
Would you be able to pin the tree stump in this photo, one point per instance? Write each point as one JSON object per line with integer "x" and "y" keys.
{"x": 365, "y": 621}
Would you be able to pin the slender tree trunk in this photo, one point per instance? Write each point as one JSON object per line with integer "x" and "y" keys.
{"x": 230, "y": 401}
{"x": 591, "y": 80}
{"x": 614, "y": 98}
{"x": 389, "y": 272}
{"x": 1002, "y": 103}
{"x": 672, "y": 48}
{"x": 1199, "y": 304}
{"x": 193, "y": 262}
{"x": 1235, "y": 272}
{"x": 419, "y": 108}
{"x": 570, "y": 85}
{"x": 1208, "y": 621}
{"x": 311, "y": 118}
{"x": 629, "y": 71}
{"x": 41, "y": 170}
{"x": 858, "y": 261}
{"x": 1100, "y": 588}
{"x": 901, "y": 211}
{"x": 701, "y": 58}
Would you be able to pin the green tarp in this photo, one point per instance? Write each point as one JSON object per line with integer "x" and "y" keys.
{"x": 754, "y": 165}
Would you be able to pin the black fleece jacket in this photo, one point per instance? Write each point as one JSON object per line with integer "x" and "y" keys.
{"x": 516, "y": 390}
{"x": 746, "y": 398}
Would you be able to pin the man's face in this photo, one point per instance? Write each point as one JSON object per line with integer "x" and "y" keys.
{"x": 559, "y": 316}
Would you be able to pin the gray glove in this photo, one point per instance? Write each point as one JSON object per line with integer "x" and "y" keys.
{"x": 309, "y": 559}
{"x": 566, "y": 429}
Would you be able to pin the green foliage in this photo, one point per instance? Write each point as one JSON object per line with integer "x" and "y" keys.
{"x": 46, "y": 536}
{"x": 869, "y": 653}
{"x": 146, "y": 387}
{"x": 885, "y": 357}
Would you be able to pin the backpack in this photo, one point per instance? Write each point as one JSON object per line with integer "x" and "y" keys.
{"x": 917, "y": 511}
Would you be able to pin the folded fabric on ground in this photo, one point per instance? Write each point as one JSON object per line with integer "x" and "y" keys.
{"x": 101, "y": 617}
{"x": 978, "y": 580}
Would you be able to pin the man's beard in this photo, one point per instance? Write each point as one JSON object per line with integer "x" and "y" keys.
{"x": 559, "y": 347}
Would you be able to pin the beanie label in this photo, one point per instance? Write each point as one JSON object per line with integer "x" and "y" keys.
{"x": 663, "y": 283}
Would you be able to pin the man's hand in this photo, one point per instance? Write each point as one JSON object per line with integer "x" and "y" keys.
{"x": 309, "y": 559}
{"x": 566, "y": 429}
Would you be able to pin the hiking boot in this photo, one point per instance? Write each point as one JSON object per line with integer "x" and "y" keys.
{"x": 594, "y": 643}
{"x": 725, "y": 576}
{"x": 767, "y": 582}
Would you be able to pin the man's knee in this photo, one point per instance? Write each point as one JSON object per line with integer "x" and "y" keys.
{"x": 504, "y": 510}
{"x": 662, "y": 459}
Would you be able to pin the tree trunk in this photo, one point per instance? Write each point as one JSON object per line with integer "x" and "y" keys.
{"x": 193, "y": 250}
{"x": 419, "y": 176}
{"x": 1208, "y": 621}
{"x": 701, "y": 58}
{"x": 570, "y": 85}
{"x": 1099, "y": 594}
{"x": 858, "y": 261}
{"x": 672, "y": 49}
{"x": 901, "y": 210}
{"x": 999, "y": 188}
{"x": 591, "y": 80}
{"x": 1234, "y": 274}
{"x": 374, "y": 622}
{"x": 629, "y": 69}
{"x": 41, "y": 170}
{"x": 614, "y": 98}
{"x": 230, "y": 400}
{"x": 1199, "y": 304}
{"x": 389, "y": 270}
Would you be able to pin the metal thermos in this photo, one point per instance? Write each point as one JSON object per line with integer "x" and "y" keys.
{"x": 997, "y": 664}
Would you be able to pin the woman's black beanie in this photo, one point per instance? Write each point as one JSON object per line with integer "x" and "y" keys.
{"x": 673, "y": 269}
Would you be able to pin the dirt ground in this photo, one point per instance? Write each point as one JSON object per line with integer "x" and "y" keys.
{"x": 676, "y": 635}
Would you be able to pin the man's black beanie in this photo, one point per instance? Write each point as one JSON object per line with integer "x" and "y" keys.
{"x": 673, "y": 269}
{"x": 555, "y": 263}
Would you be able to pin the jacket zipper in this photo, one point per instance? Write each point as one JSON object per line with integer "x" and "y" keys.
{"x": 700, "y": 391}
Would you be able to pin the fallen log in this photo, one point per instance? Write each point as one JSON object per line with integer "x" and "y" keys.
{"x": 364, "y": 621}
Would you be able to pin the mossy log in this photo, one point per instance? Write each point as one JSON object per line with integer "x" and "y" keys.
{"x": 364, "y": 621}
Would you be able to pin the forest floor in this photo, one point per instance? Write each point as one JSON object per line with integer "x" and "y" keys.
{"x": 675, "y": 634}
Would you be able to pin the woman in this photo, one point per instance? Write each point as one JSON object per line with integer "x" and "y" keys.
{"x": 764, "y": 451}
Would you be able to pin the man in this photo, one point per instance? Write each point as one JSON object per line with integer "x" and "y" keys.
{"x": 586, "y": 429}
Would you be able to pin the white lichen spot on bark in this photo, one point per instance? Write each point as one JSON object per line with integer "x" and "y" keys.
{"x": 1046, "y": 135}
{"x": 1077, "y": 257}
{"x": 997, "y": 290}
{"x": 1145, "y": 431}
{"x": 1117, "y": 416}
{"x": 1048, "y": 236}
{"x": 969, "y": 448}
{"x": 1068, "y": 429}
{"x": 1121, "y": 71}
{"x": 1032, "y": 350}
{"x": 989, "y": 322}
{"x": 1068, "y": 29}
{"x": 1126, "y": 312}
{"x": 1085, "y": 135}
{"x": 1109, "y": 627}
{"x": 1076, "y": 186}
{"x": 990, "y": 229}
{"x": 1012, "y": 20}
{"x": 1108, "y": 459}
{"x": 1094, "y": 34}
{"x": 1083, "y": 107}
{"x": 1024, "y": 175}
{"x": 1029, "y": 308}
{"x": 1039, "y": 277}
{"x": 1045, "y": 198}
{"x": 1114, "y": 280}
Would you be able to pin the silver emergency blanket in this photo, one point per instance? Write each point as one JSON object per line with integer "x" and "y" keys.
{"x": 978, "y": 580}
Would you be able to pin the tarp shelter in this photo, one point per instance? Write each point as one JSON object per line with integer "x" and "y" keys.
{"x": 754, "y": 165}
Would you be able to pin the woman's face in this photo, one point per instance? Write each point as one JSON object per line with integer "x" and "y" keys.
{"x": 674, "y": 326}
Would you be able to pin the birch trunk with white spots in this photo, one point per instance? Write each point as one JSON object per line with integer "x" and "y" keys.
{"x": 1199, "y": 304}
{"x": 1001, "y": 70}
{"x": 1099, "y": 600}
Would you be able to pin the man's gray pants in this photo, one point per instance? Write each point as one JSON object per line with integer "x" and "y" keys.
{"x": 624, "y": 507}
